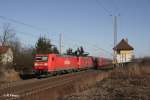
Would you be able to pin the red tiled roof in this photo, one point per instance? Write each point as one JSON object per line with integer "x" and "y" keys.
{"x": 123, "y": 45}
{"x": 3, "y": 49}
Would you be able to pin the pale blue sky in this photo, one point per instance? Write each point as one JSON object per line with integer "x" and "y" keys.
{"x": 82, "y": 22}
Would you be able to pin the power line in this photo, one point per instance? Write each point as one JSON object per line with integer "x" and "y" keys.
{"x": 22, "y": 23}
{"x": 88, "y": 44}
{"x": 105, "y": 9}
{"x": 26, "y": 33}
{"x": 99, "y": 48}
{"x": 27, "y": 25}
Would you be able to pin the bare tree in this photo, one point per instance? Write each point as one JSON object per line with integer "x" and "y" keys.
{"x": 15, "y": 45}
{"x": 6, "y": 35}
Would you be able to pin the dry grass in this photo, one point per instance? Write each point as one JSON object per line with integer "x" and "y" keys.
{"x": 131, "y": 82}
{"x": 132, "y": 70}
{"x": 89, "y": 81}
{"x": 9, "y": 75}
{"x": 83, "y": 84}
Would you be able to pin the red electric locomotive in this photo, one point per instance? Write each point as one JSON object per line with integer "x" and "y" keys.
{"x": 49, "y": 63}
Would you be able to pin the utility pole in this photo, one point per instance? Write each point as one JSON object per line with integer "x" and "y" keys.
{"x": 115, "y": 36}
{"x": 60, "y": 43}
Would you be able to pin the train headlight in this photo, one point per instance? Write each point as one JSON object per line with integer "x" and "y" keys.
{"x": 36, "y": 64}
{"x": 45, "y": 64}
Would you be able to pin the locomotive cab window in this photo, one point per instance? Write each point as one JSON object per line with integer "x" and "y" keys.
{"x": 41, "y": 58}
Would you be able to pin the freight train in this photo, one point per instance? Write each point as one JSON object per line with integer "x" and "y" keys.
{"x": 54, "y": 63}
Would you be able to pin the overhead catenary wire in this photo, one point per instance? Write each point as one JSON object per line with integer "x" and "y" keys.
{"x": 22, "y": 23}
{"x": 19, "y": 22}
{"x": 107, "y": 11}
{"x": 104, "y": 8}
{"x": 92, "y": 46}
{"x": 40, "y": 30}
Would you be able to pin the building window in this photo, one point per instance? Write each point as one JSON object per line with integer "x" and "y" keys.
{"x": 118, "y": 52}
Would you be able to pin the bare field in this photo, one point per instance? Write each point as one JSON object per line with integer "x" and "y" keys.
{"x": 131, "y": 82}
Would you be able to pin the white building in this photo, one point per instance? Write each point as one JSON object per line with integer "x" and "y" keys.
{"x": 6, "y": 55}
{"x": 124, "y": 51}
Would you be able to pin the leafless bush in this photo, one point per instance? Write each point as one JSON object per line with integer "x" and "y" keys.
{"x": 132, "y": 70}
{"x": 7, "y": 73}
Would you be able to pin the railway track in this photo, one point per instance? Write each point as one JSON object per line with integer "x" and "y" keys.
{"x": 25, "y": 82}
{"x": 22, "y": 91}
{"x": 16, "y": 83}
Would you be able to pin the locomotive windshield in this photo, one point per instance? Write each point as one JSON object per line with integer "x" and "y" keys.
{"x": 41, "y": 58}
